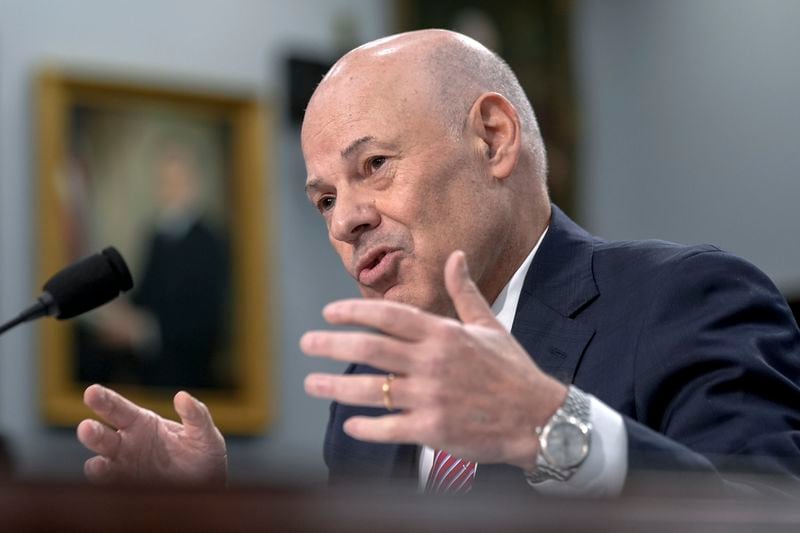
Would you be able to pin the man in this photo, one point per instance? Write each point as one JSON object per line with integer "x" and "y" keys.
{"x": 423, "y": 156}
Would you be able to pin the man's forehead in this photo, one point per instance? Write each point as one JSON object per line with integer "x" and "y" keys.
{"x": 336, "y": 116}
{"x": 346, "y": 122}
{"x": 363, "y": 107}
{"x": 397, "y": 67}
{"x": 370, "y": 81}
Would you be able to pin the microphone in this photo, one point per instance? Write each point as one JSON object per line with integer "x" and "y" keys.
{"x": 80, "y": 287}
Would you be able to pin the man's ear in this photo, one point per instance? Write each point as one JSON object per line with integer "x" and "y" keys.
{"x": 496, "y": 123}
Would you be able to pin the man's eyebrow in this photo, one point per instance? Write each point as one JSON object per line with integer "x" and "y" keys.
{"x": 312, "y": 185}
{"x": 353, "y": 146}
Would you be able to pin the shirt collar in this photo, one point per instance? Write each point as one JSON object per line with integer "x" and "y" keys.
{"x": 505, "y": 306}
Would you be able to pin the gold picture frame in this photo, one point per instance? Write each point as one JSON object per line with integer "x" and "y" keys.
{"x": 241, "y": 403}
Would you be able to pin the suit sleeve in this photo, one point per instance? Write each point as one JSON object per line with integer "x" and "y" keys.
{"x": 717, "y": 372}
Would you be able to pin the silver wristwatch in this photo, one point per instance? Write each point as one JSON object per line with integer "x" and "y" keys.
{"x": 564, "y": 441}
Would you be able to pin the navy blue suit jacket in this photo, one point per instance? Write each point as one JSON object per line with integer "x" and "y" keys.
{"x": 694, "y": 347}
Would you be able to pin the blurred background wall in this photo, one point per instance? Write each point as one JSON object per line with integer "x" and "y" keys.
{"x": 687, "y": 128}
{"x": 691, "y": 125}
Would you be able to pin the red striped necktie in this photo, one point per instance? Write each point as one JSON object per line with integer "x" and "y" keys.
{"x": 450, "y": 474}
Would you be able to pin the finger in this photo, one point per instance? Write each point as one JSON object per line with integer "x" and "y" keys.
{"x": 399, "y": 320}
{"x": 113, "y": 408}
{"x": 99, "y": 438}
{"x": 470, "y": 304}
{"x": 195, "y": 416}
{"x": 361, "y": 390}
{"x": 372, "y": 349}
{"x": 398, "y": 429}
{"x": 98, "y": 470}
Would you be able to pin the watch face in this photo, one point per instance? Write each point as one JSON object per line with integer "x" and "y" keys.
{"x": 567, "y": 444}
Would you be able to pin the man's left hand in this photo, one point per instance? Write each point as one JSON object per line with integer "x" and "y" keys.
{"x": 467, "y": 387}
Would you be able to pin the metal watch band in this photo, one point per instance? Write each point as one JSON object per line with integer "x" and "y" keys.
{"x": 546, "y": 473}
{"x": 577, "y": 405}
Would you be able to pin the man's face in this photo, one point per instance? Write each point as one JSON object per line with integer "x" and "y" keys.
{"x": 397, "y": 190}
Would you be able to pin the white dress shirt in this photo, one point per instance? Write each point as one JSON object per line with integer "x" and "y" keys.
{"x": 605, "y": 468}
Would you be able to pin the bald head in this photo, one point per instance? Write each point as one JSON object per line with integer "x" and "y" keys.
{"x": 450, "y": 71}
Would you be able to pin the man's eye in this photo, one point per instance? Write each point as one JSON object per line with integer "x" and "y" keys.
{"x": 375, "y": 163}
{"x": 325, "y": 203}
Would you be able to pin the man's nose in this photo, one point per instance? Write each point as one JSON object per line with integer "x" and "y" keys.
{"x": 352, "y": 216}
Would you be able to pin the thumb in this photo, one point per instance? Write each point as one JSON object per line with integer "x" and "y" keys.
{"x": 471, "y": 307}
{"x": 194, "y": 415}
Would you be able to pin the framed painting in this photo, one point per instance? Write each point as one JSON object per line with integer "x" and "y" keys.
{"x": 175, "y": 179}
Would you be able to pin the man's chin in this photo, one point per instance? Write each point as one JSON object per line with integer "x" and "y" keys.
{"x": 425, "y": 301}
{"x": 394, "y": 293}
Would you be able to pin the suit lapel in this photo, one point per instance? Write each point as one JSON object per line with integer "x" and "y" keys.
{"x": 558, "y": 285}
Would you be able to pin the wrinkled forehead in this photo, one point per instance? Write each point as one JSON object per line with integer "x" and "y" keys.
{"x": 367, "y": 84}
{"x": 374, "y": 99}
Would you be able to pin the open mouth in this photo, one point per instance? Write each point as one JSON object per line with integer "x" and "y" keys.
{"x": 378, "y": 267}
{"x": 375, "y": 262}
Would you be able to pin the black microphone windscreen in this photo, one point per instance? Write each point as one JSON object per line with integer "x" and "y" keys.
{"x": 89, "y": 283}
{"x": 120, "y": 268}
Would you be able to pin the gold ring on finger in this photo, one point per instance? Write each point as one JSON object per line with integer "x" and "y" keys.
{"x": 387, "y": 392}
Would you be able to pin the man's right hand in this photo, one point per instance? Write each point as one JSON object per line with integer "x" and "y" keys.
{"x": 148, "y": 448}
